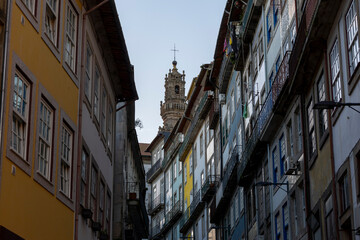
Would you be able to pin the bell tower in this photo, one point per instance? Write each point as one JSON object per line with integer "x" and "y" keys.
{"x": 174, "y": 104}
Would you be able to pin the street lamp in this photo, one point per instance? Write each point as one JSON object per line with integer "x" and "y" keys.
{"x": 265, "y": 184}
{"x": 331, "y": 105}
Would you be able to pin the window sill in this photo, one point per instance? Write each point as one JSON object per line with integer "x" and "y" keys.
{"x": 54, "y": 49}
{"x": 33, "y": 19}
{"x": 66, "y": 200}
{"x": 18, "y": 160}
{"x": 44, "y": 182}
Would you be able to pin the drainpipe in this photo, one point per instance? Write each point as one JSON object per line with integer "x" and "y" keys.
{"x": 334, "y": 194}
{"x": 81, "y": 97}
{"x": 221, "y": 143}
{"x": 4, "y": 73}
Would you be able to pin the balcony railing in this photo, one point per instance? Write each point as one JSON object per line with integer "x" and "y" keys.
{"x": 185, "y": 221}
{"x": 225, "y": 72}
{"x": 231, "y": 167}
{"x": 174, "y": 145}
{"x": 155, "y": 230}
{"x": 156, "y": 204}
{"x": 172, "y": 216}
{"x": 154, "y": 171}
{"x": 208, "y": 189}
{"x": 281, "y": 77}
{"x": 195, "y": 202}
{"x": 195, "y": 123}
{"x": 301, "y": 34}
{"x": 277, "y": 85}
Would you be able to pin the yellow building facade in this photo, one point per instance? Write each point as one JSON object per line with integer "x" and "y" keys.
{"x": 39, "y": 129}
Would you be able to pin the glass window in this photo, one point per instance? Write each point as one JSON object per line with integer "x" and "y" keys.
{"x": 52, "y": 21}
{"x": 329, "y": 219}
{"x": 103, "y": 112}
{"x": 352, "y": 37}
{"x": 323, "y": 121}
{"x": 282, "y": 154}
{"x": 30, "y": 4}
{"x": 335, "y": 72}
{"x": 93, "y": 191}
{"x": 66, "y": 160}
{"x": 311, "y": 124}
{"x": 88, "y": 72}
{"x": 275, "y": 164}
{"x": 45, "y": 139}
{"x": 20, "y": 119}
{"x": 84, "y": 164}
{"x": 70, "y": 37}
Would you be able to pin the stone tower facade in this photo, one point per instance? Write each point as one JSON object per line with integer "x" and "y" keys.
{"x": 174, "y": 104}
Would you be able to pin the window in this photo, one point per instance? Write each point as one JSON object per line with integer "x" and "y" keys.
{"x": 51, "y": 20}
{"x": 232, "y": 103}
{"x": 108, "y": 212}
{"x": 201, "y": 144}
{"x": 285, "y": 213}
{"x": 88, "y": 72}
{"x": 66, "y": 160}
{"x": 312, "y": 139}
{"x": 180, "y": 193}
{"x": 202, "y": 178}
{"x": 20, "y": 120}
{"x": 344, "y": 193}
{"x": 241, "y": 199}
{"x": 278, "y": 226}
{"x": 103, "y": 113}
{"x": 295, "y": 214}
{"x": 96, "y": 103}
{"x": 180, "y": 168}
{"x": 275, "y": 12}
{"x": 203, "y": 226}
{"x": 282, "y": 154}
{"x": 329, "y": 219}
{"x": 45, "y": 139}
{"x": 110, "y": 127}
{"x": 101, "y": 203}
{"x": 275, "y": 167}
{"x": 191, "y": 164}
{"x": 195, "y": 153}
{"x": 271, "y": 78}
{"x": 83, "y": 186}
{"x": 255, "y": 56}
{"x": 30, "y": 4}
{"x": 93, "y": 191}
{"x": 323, "y": 121}
{"x": 335, "y": 72}
{"x": 352, "y": 37}
{"x": 236, "y": 207}
{"x": 290, "y": 137}
{"x": 70, "y": 37}
{"x": 185, "y": 173}
{"x": 261, "y": 48}
{"x": 269, "y": 25}
{"x": 298, "y": 130}
{"x": 177, "y": 89}
{"x": 155, "y": 191}
{"x": 174, "y": 168}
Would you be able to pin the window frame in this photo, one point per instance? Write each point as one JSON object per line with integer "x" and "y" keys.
{"x": 47, "y": 182}
{"x": 353, "y": 72}
{"x": 33, "y": 16}
{"x": 69, "y": 200}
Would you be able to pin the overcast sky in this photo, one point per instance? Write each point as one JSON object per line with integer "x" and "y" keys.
{"x": 151, "y": 28}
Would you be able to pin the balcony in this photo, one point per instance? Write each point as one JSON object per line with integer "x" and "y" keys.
{"x": 172, "y": 216}
{"x": 316, "y": 22}
{"x": 179, "y": 138}
{"x": 186, "y": 221}
{"x": 208, "y": 189}
{"x": 137, "y": 211}
{"x": 250, "y": 20}
{"x": 154, "y": 171}
{"x": 156, "y": 204}
{"x": 200, "y": 113}
{"x": 196, "y": 205}
{"x": 228, "y": 183}
{"x": 225, "y": 73}
{"x": 155, "y": 232}
{"x": 214, "y": 114}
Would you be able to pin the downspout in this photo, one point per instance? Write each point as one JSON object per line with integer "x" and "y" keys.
{"x": 306, "y": 169}
{"x": 4, "y": 73}
{"x": 81, "y": 97}
{"x": 221, "y": 143}
{"x": 331, "y": 149}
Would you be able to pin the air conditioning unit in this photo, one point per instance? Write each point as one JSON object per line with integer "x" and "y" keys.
{"x": 289, "y": 166}
{"x": 222, "y": 99}
{"x": 181, "y": 137}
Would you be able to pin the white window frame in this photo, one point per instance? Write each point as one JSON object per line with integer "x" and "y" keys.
{"x": 351, "y": 24}
{"x": 70, "y": 42}
{"x": 51, "y": 19}
{"x": 66, "y": 159}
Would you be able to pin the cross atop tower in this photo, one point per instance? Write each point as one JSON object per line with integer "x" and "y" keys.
{"x": 174, "y": 50}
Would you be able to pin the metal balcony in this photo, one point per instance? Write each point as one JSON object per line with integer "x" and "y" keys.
{"x": 156, "y": 204}
{"x": 172, "y": 216}
{"x": 155, "y": 232}
{"x": 186, "y": 221}
{"x": 214, "y": 113}
{"x": 200, "y": 114}
{"x": 281, "y": 77}
{"x": 196, "y": 206}
{"x": 208, "y": 189}
{"x": 225, "y": 72}
{"x": 136, "y": 206}
{"x": 154, "y": 171}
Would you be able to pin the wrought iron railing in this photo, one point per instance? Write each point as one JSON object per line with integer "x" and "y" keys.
{"x": 185, "y": 218}
{"x": 153, "y": 170}
{"x": 246, "y": 16}
{"x": 155, "y": 230}
{"x": 194, "y": 124}
{"x": 176, "y": 209}
{"x": 157, "y": 202}
{"x": 231, "y": 164}
{"x": 210, "y": 182}
{"x": 281, "y": 76}
{"x": 195, "y": 202}
{"x": 277, "y": 85}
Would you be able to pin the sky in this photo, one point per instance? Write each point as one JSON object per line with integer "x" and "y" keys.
{"x": 151, "y": 28}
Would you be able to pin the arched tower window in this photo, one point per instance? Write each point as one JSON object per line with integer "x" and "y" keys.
{"x": 177, "y": 89}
